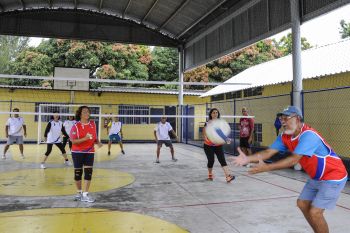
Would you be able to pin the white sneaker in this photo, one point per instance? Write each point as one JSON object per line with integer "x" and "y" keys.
{"x": 3, "y": 157}
{"x": 87, "y": 198}
{"x": 42, "y": 166}
{"x": 297, "y": 167}
{"x": 174, "y": 159}
{"x": 68, "y": 163}
{"x": 157, "y": 161}
{"x": 78, "y": 196}
{"x": 22, "y": 156}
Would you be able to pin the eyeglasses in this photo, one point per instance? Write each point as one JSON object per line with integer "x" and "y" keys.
{"x": 287, "y": 118}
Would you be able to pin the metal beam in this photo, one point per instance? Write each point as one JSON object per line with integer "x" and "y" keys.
{"x": 126, "y": 8}
{"x": 100, "y": 5}
{"x": 149, "y": 11}
{"x": 183, "y": 4}
{"x": 23, "y": 5}
{"x": 200, "y": 19}
{"x": 14, "y": 76}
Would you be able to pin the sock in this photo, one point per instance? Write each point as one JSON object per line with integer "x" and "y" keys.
{"x": 66, "y": 159}
{"x": 80, "y": 191}
{"x": 85, "y": 194}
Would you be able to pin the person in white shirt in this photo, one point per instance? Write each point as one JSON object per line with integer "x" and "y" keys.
{"x": 68, "y": 124}
{"x": 53, "y": 132}
{"x": 13, "y": 132}
{"x": 161, "y": 134}
{"x": 115, "y": 133}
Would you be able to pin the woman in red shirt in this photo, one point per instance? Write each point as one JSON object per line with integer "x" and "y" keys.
{"x": 211, "y": 149}
{"x": 83, "y": 136}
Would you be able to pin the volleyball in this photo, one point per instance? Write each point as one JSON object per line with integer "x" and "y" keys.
{"x": 217, "y": 131}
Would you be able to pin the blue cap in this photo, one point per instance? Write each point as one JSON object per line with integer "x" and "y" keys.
{"x": 292, "y": 110}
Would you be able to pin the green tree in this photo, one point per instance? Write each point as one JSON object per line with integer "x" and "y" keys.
{"x": 164, "y": 65}
{"x": 10, "y": 47}
{"x": 129, "y": 61}
{"x": 31, "y": 63}
{"x": 345, "y": 29}
{"x": 285, "y": 44}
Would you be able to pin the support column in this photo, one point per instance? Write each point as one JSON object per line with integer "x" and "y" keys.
{"x": 296, "y": 51}
{"x": 181, "y": 88}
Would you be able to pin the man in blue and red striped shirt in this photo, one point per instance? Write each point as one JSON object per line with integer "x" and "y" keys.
{"x": 326, "y": 170}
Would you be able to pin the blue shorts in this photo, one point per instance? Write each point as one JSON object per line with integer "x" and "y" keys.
{"x": 323, "y": 194}
{"x": 115, "y": 137}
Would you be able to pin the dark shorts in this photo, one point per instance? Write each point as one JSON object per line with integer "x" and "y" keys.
{"x": 83, "y": 159}
{"x": 115, "y": 137}
{"x": 166, "y": 142}
{"x": 243, "y": 142}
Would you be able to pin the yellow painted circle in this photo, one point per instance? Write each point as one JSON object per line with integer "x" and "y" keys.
{"x": 35, "y": 153}
{"x": 58, "y": 181}
{"x": 79, "y": 220}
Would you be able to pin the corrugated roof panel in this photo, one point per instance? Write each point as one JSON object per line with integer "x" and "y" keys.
{"x": 316, "y": 62}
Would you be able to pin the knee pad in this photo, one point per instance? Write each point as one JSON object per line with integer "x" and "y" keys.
{"x": 88, "y": 173}
{"x": 78, "y": 173}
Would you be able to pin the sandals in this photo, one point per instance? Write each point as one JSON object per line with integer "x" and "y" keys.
{"x": 230, "y": 178}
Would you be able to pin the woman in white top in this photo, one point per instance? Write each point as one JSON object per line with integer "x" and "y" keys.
{"x": 68, "y": 124}
{"x": 53, "y": 132}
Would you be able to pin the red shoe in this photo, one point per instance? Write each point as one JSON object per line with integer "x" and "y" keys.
{"x": 210, "y": 177}
{"x": 230, "y": 178}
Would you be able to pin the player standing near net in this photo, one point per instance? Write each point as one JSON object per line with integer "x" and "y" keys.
{"x": 161, "y": 135}
{"x": 13, "y": 132}
{"x": 246, "y": 132}
{"x": 326, "y": 170}
{"x": 83, "y": 136}
{"x": 115, "y": 133}
{"x": 211, "y": 149}
{"x": 53, "y": 133}
{"x": 68, "y": 124}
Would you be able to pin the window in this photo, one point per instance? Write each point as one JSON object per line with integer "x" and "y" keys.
{"x": 234, "y": 95}
{"x": 156, "y": 111}
{"x": 50, "y": 109}
{"x": 217, "y": 97}
{"x": 253, "y": 91}
{"x": 235, "y": 130}
{"x": 134, "y": 110}
{"x": 258, "y": 132}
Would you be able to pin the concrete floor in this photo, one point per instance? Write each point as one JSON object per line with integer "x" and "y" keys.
{"x": 178, "y": 192}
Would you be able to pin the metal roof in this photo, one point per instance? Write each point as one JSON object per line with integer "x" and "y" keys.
{"x": 205, "y": 29}
{"x": 316, "y": 62}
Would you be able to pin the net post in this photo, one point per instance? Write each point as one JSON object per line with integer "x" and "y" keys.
{"x": 39, "y": 125}
{"x": 99, "y": 123}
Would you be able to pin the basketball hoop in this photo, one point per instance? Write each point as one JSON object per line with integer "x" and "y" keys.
{"x": 71, "y": 84}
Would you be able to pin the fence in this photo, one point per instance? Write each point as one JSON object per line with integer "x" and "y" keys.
{"x": 325, "y": 110}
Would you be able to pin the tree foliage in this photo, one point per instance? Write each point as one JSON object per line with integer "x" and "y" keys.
{"x": 32, "y": 63}
{"x": 137, "y": 62}
{"x": 10, "y": 47}
{"x": 285, "y": 44}
{"x": 344, "y": 29}
{"x": 164, "y": 65}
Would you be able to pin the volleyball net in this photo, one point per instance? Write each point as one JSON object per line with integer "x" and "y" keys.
{"x": 138, "y": 105}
